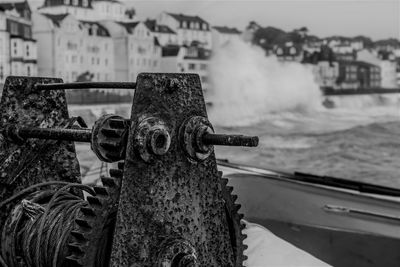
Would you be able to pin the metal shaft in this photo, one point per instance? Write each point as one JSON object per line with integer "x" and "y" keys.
{"x": 77, "y": 135}
{"x": 230, "y": 140}
{"x": 86, "y": 85}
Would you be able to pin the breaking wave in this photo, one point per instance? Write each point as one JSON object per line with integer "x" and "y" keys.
{"x": 246, "y": 86}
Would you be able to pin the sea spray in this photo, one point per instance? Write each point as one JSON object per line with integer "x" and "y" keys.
{"x": 247, "y": 85}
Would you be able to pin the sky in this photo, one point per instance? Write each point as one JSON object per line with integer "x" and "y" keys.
{"x": 377, "y": 19}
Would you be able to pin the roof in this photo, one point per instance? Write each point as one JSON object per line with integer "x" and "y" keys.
{"x": 170, "y": 50}
{"x": 129, "y": 26}
{"x": 227, "y": 30}
{"x": 101, "y": 30}
{"x": 19, "y": 6}
{"x": 56, "y": 19}
{"x": 182, "y": 17}
{"x": 154, "y": 27}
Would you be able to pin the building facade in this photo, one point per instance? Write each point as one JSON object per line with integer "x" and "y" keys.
{"x": 136, "y": 49}
{"x": 323, "y": 65}
{"x": 69, "y": 47}
{"x": 386, "y": 61}
{"x": 18, "y": 48}
{"x": 92, "y": 10}
{"x": 223, "y": 35}
{"x": 358, "y": 75}
{"x": 289, "y": 52}
{"x": 192, "y": 59}
{"x": 165, "y": 35}
{"x": 189, "y": 29}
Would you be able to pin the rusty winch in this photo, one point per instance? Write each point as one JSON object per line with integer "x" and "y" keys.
{"x": 165, "y": 205}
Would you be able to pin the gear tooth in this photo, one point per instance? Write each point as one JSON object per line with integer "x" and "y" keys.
{"x": 93, "y": 200}
{"x": 241, "y": 216}
{"x": 121, "y": 165}
{"x": 113, "y": 156}
{"x": 72, "y": 261}
{"x": 234, "y": 198}
{"x": 230, "y": 189}
{"x": 76, "y": 248}
{"x": 100, "y": 190}
{"x": 116, "y": 173}
{"x": 88, "y": 211}
{"x": 108, "y": 181}
{"x": 237, "y": 207}
{"x": 117, "y": 123}
{"x": 111, "y": 132}
{"x": 220, "y": 173}
{"x": 78, "y": 235}
{"x": 83, "y": 223}
{"x": 224, "y": 181}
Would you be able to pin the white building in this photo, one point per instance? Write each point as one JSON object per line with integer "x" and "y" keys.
{"x": 18, "y": 54}
{"x": 188, "y": 28}
{"x": 68, "y": 47}
{"x": 191, "y": 59}
{"x": 223, "y": 35}
{"x": 164, "y": 34}
{"x": 92, "y": 10}
{"x": 386, "y": 61}
{"x": 136, "y": 49}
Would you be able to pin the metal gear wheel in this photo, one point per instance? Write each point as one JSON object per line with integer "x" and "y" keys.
{"x": 235, "y": 225}
{"x": 91, "y": 239}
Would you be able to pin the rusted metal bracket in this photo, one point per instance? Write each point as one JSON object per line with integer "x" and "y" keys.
{"x": 172, "y": 201}
{"x": 174, "y": 210}
{"x": 33, "y": 161}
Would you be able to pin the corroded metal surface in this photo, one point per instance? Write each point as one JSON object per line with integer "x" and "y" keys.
{"x": 109, "y": 138}
{"x": 174, "y": 197}
{"x": 33, "y": 161}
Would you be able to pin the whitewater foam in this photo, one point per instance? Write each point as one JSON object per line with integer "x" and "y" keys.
{"x": 247, "y": 85}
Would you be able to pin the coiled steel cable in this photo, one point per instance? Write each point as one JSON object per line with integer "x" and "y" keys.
{"x": 40, "y": 232}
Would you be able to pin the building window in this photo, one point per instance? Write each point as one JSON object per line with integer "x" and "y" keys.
{"x": 14, "y": 28}
{"x": 28, "y": 70}
{"x": 203, "y": 66}
{"x": 75, "y": 2}
{"x": 90, "y": 31}
{"x": 66, "y": 2}
{"x": 155, "y": 63}
{"x": 85, "y": 3}
{"x": 106, "y": 61}
{"x": 192, "y": 66}
{"x": 98, "y": 61}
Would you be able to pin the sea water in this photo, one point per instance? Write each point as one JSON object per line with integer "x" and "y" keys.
{"x": 281, "y": 103}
